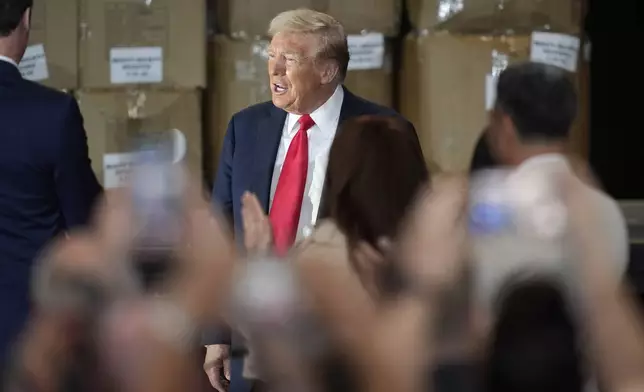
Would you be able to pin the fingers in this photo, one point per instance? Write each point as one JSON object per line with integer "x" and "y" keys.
{"x": 432, "y": 241}
{"x": 385, "y": 245}
{"x": 208, "y": 255}
{"x": 448, "y": 197}
{"x": 365, "y": 254}
{"x": 249, "y": 224}
{"x": 227, "y": 369}
{"x": 215, "y": 379}
{"x": 257, "y": 227}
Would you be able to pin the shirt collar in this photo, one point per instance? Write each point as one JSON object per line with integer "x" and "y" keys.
{"x": 551, "y": 159}
{"x": 8, "y": 60}
{"x": 326, "y": 116}
{"x": 542, "y": 165}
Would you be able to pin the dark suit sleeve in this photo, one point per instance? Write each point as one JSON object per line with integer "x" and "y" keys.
{"x": 76, "y": 184}
{"x": 222, "y": 199}
{"x": 222, "y": 193}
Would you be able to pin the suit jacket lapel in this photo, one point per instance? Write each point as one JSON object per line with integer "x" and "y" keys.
{"x": 269, "y": 133}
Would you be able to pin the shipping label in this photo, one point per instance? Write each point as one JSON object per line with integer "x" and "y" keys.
{"x": 136, "y": 65}
{"x": 367, "y": 51}
{"x": 33, "y": 65}
{"x": 556, "y": 49}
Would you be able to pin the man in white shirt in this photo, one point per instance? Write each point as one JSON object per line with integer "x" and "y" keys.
{"x": 278, "y": 150}
{"x": 536, "y": 106}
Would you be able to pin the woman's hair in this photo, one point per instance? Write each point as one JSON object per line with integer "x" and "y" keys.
{"x": 376, "y": 168}
{"x": 534, "y": 346}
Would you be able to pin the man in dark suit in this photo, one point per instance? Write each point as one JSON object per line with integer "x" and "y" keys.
{"x": 279, "y": 150}
{"x": 46, "y": 182}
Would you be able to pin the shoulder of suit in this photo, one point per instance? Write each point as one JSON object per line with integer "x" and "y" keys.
{"x": 38, "y": 89}
{"x": 259, "y": 109}
{"x": 371, "y": 108}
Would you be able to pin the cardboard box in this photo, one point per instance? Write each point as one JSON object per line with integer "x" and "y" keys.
{"x": 448, "y": 83}
{"x": 52, "y": 55}
{"x": 113, "y": 119}
{"x": 496, "y": 16}
{"x": 136, "y": 42}
{"x": 250, "y": 18}
{"x": 238, "y": 78}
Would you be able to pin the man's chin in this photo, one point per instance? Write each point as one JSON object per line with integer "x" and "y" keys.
{"x": 282, "y": 102}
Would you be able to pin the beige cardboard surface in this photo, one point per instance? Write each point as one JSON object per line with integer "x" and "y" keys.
{"x": 113, "y": 119}
{"x": 495, "y": 16}
{"x": 158, "y": 42}
{"x": 52, "y": 55}
{"x": 238, "y": 78}
{"x": 445, "y": 91}
{"x": 250, "y": 18}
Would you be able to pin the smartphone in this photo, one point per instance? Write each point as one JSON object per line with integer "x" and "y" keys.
{"x": 157, "y": 190}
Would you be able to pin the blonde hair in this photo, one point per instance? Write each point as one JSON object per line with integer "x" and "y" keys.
{"x": 333, "y": 40}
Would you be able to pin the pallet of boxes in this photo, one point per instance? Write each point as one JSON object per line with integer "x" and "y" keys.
{"x": 142, "y": 69}
{"x": 455, "y": 54}
{"x": 238, "y": 70}
{"x": 52, "y": 55}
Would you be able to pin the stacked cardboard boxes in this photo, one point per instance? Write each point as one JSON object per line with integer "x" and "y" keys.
{"x": 142, "y": 68}
{"x": 238, "y": 75}
{"x": 451, "y": 63}
{"x": 52, "y": 55}
{"x": 250, "y": 18}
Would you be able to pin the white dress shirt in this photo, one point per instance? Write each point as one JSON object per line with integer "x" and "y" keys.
{"x": 504, "y": 256}
{"x": 321, "y": 136}
{"x": 8, "y": 60}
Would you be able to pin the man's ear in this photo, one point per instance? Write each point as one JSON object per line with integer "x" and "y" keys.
{"x": 330, "y": 71}
{"x": 26, "y": 18}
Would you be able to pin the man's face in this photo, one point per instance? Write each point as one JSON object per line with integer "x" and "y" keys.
{"x": 295, "y": 79}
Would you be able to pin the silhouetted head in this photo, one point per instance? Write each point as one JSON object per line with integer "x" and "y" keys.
{"x": 536, "y": 105}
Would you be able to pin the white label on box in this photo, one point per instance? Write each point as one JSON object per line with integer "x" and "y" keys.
{"x": 33, "y": 65}
{"x": 367, "y": 51}
{"x": 117, "y": 168}
{"x": 556, "y": 49}
{"x": 136, "y": 65}
{"x": 490, "y": 91}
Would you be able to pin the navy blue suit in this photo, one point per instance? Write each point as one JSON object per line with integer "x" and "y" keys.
{"x": 246, "y": 164}
{"x": 47, "y": 185}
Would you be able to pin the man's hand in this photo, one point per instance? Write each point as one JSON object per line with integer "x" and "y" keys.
{"x": 258, "y": 233}
{"x": 217, "y": 359}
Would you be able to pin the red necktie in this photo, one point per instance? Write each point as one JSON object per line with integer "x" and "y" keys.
{"x": 287, "y": 201}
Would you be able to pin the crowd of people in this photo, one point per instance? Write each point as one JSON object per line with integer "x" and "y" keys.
{"x": 327, "y": 258}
